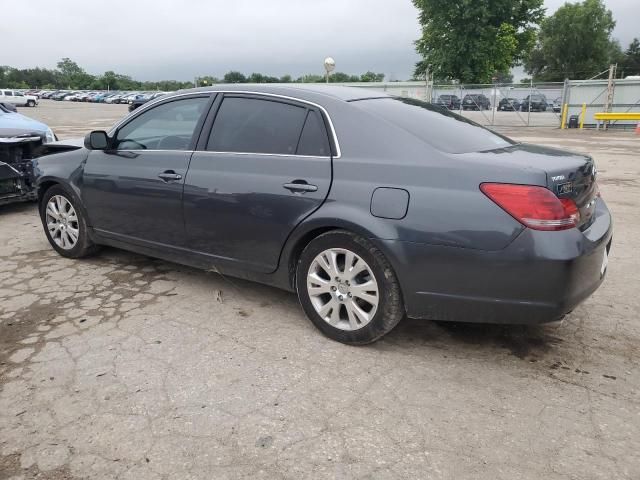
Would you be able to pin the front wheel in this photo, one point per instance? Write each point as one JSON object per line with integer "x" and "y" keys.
{"x": 31, "y": 103}
{"x": 348, "y": 289}
{"x": 64, "y": 224}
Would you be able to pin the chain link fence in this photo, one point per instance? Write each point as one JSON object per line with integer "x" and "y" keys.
{"x": 525, "y": 105}
{"x": 535, "y": 105}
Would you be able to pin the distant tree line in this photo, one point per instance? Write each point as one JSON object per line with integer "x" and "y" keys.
{"x": 69, "y": 75}
{"x": 337, "y": 77}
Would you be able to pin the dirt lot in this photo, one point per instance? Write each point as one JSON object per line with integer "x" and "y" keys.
{"x": 121, "y": 366}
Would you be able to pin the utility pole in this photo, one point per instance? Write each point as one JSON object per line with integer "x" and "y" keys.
{"x": 611, "y": 87}
{"x": 427, "y": 97}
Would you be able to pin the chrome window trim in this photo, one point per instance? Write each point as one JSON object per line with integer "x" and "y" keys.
{"x": 263, "y": 154}
{"x": 142, "y": 150}
{"x": 148, "y": 105}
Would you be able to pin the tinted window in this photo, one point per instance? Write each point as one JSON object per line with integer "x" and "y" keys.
{"x": 435, "y": 125}
{"x": 314, "y": 139}
{"x": 256, "y": 126}
{"x": 8, "y": 94}
{"x": 169, "y": 126}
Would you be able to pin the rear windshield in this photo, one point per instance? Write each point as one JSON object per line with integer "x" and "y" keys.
{"x": 435, "y": 125}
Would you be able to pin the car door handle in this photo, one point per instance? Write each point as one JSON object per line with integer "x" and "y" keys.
{"x": 300, "y": 187}
{"x": 169, "y": 176}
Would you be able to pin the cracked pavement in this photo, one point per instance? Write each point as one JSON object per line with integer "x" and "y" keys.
{"x": 124, "y": 367}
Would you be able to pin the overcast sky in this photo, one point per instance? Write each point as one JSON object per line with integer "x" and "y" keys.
{"x": 179, "y": 39}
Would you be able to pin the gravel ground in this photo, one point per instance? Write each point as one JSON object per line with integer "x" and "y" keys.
{"x": 121, "y": 366}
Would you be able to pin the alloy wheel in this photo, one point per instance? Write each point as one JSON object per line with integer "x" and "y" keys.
{"x": 62, "y": 222}
{"x": 343, "y": 289}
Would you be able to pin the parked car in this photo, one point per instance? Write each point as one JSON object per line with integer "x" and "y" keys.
{"x": 536, "y": 103}
{"x": 63, "y": 95}
{"x": 119, "y": 98}
{"x": 17, "y": 98}
{"x": 142, "y": 99}
{"x": 509, "y": 104}
{"x": 557, "y": 105}
{"x": 370, "y": 207}
{"x": 475, "y": 101}
{"x": 127, "y": 97}
{"x": 452, "y": 102}
{"x": 20, "y": 139}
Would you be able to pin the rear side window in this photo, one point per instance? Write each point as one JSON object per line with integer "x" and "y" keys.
{"x": 251, "y": 125}
{"x": 436, "y": 126}
{"x": 8, "y": 93}
{"x": 314, "y": 139}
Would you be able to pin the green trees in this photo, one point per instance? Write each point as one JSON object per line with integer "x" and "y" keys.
{"x": 372, "y": 77}
{"x": 575, "y": 42}
{"x": 472, "y": 41}
{"x": 631, "y": 60}
{"x": 71, "y": 75}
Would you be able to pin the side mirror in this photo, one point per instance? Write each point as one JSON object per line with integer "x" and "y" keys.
{"x": 97, "y": 140}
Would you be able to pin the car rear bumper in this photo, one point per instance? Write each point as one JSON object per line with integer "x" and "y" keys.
{"x": 538, "y": 278}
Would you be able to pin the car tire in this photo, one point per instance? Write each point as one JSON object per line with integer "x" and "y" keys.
{"x": 31, "y": 103}
{"x": 352, "y": 309}
{"x": 70, "y": 237}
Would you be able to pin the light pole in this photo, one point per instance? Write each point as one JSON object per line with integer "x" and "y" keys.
{"x": 329, "y": 66}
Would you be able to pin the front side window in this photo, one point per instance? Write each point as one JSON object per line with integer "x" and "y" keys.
{"x": 169, "y": 126}
{"x": 7, "y": 93}
{"x": 251, "y": 125}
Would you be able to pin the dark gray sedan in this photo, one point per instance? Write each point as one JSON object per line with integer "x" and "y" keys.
{"x": 370, "y": 207}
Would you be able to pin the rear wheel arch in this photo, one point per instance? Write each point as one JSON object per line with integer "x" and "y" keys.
{"x": 303, "y": 239}
{"x": 297, "y": 247}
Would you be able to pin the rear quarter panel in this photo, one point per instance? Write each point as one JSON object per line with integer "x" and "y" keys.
{"x": 446, "y": 206}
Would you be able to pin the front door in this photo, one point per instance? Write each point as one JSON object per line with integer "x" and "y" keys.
{"x": 265, "y": 166}
{"x": 133, "y": 191}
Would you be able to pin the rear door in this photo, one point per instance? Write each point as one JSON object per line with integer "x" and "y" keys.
{"x": 265, "y": 166}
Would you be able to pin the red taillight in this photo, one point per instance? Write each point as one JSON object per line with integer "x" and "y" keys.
{"x": 535, "y": 207}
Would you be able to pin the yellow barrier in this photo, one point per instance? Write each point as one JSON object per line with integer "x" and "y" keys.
{"x": 617, "y": 116}
{"x": 612, "y": 116}
{"x": 582, "y": 115}
{"x": 565, "y": 110}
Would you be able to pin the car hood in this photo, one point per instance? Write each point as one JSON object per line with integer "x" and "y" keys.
{"x": 62, "y": 146}
{"x": 12, "y": 122}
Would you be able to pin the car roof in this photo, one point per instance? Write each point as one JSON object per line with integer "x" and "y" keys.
{"x": 308, "y": 91}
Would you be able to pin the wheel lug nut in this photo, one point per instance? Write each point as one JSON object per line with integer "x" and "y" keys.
{"x": 349, "y": 295}
{"x": 340, "y": 297}
{"x": 333, "y": 288}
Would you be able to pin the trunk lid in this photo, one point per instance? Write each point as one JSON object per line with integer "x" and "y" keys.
{"x": 568, "y": 174}
{"x": 576, "y": 180}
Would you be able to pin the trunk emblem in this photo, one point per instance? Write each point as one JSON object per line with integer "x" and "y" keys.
{"x": 565, "y": 188}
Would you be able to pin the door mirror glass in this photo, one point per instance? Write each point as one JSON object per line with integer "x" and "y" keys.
{"x": 97, "y": 140}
